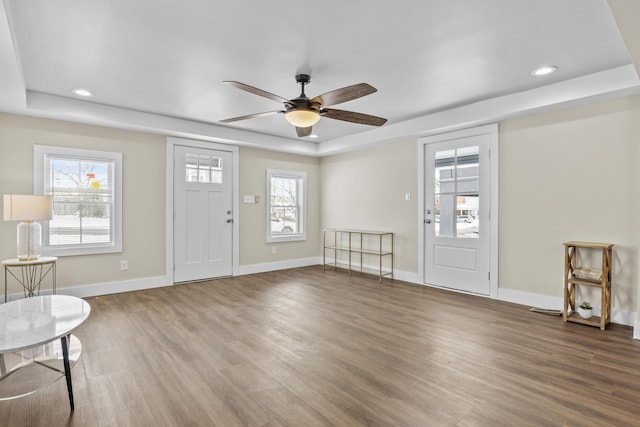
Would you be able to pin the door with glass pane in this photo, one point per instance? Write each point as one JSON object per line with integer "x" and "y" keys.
{"x": 203, "y": 217}
{"x": 456, "y": 216}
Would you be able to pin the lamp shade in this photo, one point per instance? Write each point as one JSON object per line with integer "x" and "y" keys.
{"x": 302, "y": 118}
{"x": 21, "y": 207}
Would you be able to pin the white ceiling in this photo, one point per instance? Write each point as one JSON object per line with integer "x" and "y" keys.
{"x": 427, "y": 59}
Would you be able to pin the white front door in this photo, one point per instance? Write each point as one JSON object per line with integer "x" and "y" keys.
{"x": 456, "y": 213}
{"x": 203, "y": 216}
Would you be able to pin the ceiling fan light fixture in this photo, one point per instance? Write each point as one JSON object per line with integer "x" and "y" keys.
{"x": 302, "y": 118}
{"x": 304, "y": 112}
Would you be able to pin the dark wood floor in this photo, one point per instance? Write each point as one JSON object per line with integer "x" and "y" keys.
{"x": 306, "y": 347}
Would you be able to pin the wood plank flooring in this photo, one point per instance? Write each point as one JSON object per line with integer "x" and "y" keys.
{"x": 307, "y": 347}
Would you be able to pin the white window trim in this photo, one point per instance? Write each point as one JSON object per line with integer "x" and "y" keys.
{"x": 39, "y": 152}
{"x": 293, "y": 237}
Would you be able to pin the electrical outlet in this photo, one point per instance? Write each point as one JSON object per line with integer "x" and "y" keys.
{"x": 274, "y": 250}
{"x": 124, "y": 265}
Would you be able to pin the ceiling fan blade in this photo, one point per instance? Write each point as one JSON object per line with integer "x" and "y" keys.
{"x": 350, "y": 116}
{"x": 250, "y": 116}
{"x": 303, "y": 131}
{"x": 345, "y": 94}
{"x": 256, "y": 91}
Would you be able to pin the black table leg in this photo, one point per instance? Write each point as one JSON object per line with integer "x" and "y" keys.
{"x": 67, "y": 368}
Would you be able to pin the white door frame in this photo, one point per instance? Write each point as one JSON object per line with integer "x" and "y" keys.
{"x": 235, "y": 191}
{"x": 492, "y": 131}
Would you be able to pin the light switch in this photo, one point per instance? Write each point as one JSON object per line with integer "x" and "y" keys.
{"x": 407, "y": 197}
{"x": 249, "y": 198}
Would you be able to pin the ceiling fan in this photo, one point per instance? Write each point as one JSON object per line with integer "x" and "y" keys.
{"x": 303, "y": 112}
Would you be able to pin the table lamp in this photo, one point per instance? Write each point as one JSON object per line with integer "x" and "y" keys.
{"x": 28, "y": 208}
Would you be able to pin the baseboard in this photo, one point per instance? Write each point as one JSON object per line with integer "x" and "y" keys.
{"x": 306, "y": 262}
{"x": 618, "y": 316}
{"x": 622, "y": 317}
{"x": 407, "y": 276}
{"x": 278, "y": 265}
{"x": 85, "y": 291}
{"x": 523, "y": 298}
{"x": 527, "y": 298}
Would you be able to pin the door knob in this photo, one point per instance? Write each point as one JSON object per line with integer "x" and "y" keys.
{"x": 427, "y": 221}
{"x": 230, "y": 220}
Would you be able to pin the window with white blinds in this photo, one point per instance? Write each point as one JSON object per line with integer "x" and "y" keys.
{"x": 85, "y": 186}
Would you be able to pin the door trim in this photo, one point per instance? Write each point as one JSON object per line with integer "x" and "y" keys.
{"x": 235, "y": 194}
{"x": 492, "y": 131}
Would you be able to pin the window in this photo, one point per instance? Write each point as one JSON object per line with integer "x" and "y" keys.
{"x": 286, "y": 202}
{"x": 86, "y": 188}
{"x": 457, "y": 192}
{"x": 205, "y": 169}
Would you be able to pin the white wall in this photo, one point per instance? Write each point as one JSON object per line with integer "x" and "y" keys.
{"x": 255, "y": 253}
{"x": 564, "y": 175}
{"x": 570, "y": 175}
{"x": 366, "y": 189}
{"x": 143, "y": 196}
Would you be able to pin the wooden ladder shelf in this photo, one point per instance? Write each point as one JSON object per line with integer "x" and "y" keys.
{"x": 573, "y": 278}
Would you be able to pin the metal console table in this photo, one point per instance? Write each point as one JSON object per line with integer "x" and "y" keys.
{"x": 368, "y": 252}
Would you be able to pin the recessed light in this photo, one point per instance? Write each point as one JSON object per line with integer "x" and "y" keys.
{"x": 82, "y": 92}
{"x": 543, "y": 71}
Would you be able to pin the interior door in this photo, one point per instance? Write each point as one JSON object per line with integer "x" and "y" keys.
{"x": 203, "y": 216}
{"x": 456, "y": 214}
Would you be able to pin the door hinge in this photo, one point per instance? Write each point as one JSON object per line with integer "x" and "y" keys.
{"x": 489, "y": 276}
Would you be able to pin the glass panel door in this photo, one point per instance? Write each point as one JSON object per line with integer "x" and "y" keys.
{"x": 457, "y": 230}
{"x": 457, "y": 192}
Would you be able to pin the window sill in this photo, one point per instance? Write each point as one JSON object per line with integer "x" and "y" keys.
{"x": 286, "y": 238}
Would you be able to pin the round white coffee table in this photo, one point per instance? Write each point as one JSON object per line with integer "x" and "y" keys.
{"x": 35, "y": 339}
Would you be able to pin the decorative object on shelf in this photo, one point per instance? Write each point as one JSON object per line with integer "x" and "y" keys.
{"x": 576, "y": 276}
{"x": 28, "y": 209}
{"x": 585, "y": 310}
{"x": 587, "y": 273}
